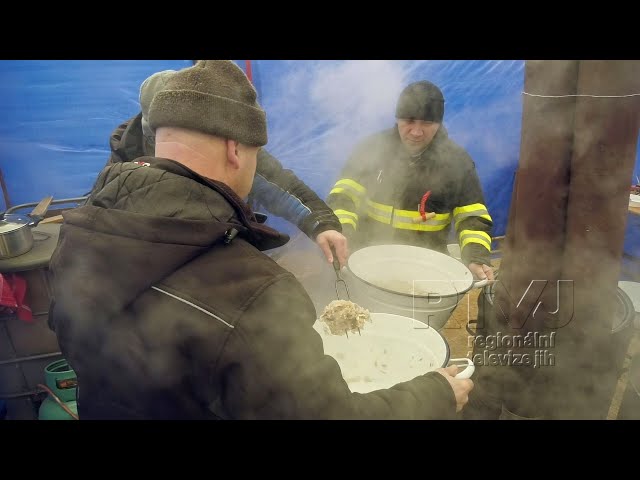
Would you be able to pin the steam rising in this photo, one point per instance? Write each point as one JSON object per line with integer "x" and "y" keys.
{"x": 318, "y": 110}
{"x": 322, "y": 109}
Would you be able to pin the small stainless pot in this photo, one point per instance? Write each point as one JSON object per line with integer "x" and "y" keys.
{"x": 16, "y": 237}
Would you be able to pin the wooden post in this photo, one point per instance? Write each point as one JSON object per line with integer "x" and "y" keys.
{"x": 604, "y": 154}
{"x": 535, "y": 235}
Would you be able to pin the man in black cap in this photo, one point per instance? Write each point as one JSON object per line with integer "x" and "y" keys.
{"x": 409, "y": 183}
{"x": 163, "y": 303}
{"x": 275, "y": 188}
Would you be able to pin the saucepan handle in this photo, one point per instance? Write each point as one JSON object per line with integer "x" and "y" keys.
{"x": 480, "y": 283}
{"x": 466, "y": 362}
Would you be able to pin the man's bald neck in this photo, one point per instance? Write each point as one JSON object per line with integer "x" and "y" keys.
{"x": 200, "y": 152}
{"x": 180, "y": 152}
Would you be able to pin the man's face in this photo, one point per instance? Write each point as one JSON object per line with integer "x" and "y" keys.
{"x": 416, "y": 134}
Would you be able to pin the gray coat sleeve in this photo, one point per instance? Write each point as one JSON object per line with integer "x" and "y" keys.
{"x": 283, "y": 194}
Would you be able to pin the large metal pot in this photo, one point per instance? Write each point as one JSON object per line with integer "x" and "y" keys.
{"x": 16, "y": 237}
{"x": 389, "y": 350}
{"x": 410, "y": 281}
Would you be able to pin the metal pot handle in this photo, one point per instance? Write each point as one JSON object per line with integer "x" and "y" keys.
{"x": 467, "y": 372}
{"x": 480, "y": 283}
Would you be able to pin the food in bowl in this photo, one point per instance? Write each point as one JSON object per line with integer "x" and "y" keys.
{"x": 343, "y": 316}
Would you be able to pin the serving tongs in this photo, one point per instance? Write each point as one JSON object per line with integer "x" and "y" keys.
{"x": 339, "y": 279}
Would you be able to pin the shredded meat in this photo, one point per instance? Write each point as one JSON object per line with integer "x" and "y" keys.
{"x": 342, "y": 316}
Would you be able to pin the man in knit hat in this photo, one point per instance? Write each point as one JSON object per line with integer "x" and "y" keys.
{"x": 383, "y": 184}
{"x": 275, "y": 188}
{"x": 163, "y": 303}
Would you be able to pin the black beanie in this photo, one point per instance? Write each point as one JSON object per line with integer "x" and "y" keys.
{"x": 214, "y": 97}
{"x": 421, "y": 101}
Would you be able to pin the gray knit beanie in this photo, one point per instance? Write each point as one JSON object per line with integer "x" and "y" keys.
{"x": 148, "y": 90}
{"x": 214, "y": 97}
{"x": 421, "y": 101}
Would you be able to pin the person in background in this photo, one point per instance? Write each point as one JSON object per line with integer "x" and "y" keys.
{"x": 278, "y": 189}
{"x": 163, "y": 302}
{"x": 392, "y": 174}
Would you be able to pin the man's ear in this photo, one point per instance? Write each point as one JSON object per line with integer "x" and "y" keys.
{"x": 232, "y": 153}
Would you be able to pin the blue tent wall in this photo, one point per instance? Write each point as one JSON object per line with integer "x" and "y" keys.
{"x": 318, "y": 110}
{"x": 57, "y": 117}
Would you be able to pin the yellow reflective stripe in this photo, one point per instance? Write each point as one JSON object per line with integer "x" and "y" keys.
{"x": 346, "y": 213}
{"x": 484, "y": 235}
{"x": 403, "y": 220}
{"x": 347, "y": 182}
{"x": 423, "y": 227}
{"x": 473, "y": 210}
{"x": 476, "y": 240}
{"x": 469, "y": 209}
{"x": 345, "y": 216}
{"x": 351, "y": 189}
{"x": 349, "y": 221}
{"x": 379, "y": 212}
{"x": 475, "y": 236}
{"x": 380, "y": 206}
{"x": 439, "y": 219}
{"x": 380, "y": 218}
{"x": 354, "y": 198}
{"x": 459, "y": 218}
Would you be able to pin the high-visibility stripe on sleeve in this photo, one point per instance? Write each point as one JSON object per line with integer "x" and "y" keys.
{"x": 347, "y": 217}
{"x": 473, "y": 210}
{"x": 475, "y": 236}
{"x": 351, "y": 189}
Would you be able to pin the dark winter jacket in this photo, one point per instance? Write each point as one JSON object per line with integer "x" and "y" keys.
{"x": 380, "y": 189}
{"x": 166, "y": 308}
{"x": 275, "y": 188}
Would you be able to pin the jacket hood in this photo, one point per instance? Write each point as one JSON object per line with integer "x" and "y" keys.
{"x": 142, "y": 222}
{"x": 127, "y": 141}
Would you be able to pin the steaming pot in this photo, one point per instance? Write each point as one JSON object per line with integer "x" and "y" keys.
{"x": 389, "y": 350}
{"x": 410, "y": 281}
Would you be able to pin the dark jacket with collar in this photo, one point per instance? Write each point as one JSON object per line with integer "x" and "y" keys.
{"x": 275, "y": 188}
{"x": 166, "y": 308}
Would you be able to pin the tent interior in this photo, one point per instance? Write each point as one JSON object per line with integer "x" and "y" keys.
{"x": 59, "y": 115}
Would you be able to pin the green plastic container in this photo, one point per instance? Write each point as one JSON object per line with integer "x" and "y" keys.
{"x": 62, "y": 381}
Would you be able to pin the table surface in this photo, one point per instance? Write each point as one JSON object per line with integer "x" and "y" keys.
{"x": 45, "y": 239}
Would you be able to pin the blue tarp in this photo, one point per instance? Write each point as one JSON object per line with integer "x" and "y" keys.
{"x": 57, "y": 117}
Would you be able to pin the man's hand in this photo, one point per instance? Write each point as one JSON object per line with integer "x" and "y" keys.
{"x": 480, "y": 271}
{"x": 333, "y": 238}
{"x": 461, "y": 386}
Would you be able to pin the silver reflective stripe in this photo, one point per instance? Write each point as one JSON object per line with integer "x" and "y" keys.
{"x": 475, "y": 213}
{"x": 474, "y": 235}
{"x": 346, "y": 214}
{"x": 432, "y": 221}
{"x": 194, "y": 306}
{"x": 379, "y": 211}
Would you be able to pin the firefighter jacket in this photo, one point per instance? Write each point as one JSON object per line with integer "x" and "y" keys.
{"x": 379, "y": 192}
